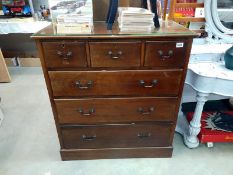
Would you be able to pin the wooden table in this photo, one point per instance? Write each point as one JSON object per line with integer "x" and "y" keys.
{"x": 207, "y": 75}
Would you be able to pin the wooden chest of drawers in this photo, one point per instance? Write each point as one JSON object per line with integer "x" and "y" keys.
{"x": 115, "y": 95}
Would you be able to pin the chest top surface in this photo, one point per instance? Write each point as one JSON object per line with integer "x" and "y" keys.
{"x": 167, "y": 29}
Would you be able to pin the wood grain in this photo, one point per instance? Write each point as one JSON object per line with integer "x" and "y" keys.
{"x": 116, "y": 153}
{"x": 76, "y": 49}
{"x": 123, "y": 54}
{"x": 153, "y": 59}
{"x": 115, "y": 83}
{"x": 116, "y": 136}
{"x": 115, "y": 110}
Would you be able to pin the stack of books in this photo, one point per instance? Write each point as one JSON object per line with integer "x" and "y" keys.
{"x": 135, "y": 19}
{"x": 73, "y": 17}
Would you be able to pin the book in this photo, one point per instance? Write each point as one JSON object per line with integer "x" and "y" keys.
{"x": 135, "y": 19}
{"x": 72, "y": 16}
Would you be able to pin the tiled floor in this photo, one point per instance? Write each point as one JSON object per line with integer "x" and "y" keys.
{"x": 29, "y": 143}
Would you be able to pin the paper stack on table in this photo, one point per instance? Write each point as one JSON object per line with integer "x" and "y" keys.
{"x": 74, "y": 24}
{"x": 135, "y": 19}
{"x": 73, "y": 17}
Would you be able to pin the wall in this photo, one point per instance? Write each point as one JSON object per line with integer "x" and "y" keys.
{"x": 37, "y": 3}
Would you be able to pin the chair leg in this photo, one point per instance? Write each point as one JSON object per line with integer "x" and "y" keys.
{"x": 109, "y": 10}
{"x": 154, "y": 10}
{"x": 153, "y": 4}
{"x": 112, "y": 13}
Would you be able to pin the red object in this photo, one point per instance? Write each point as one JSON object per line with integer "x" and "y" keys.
{"x": 209, "y": 135}
{"x": 186, "y": 12}
{"x": 16, "y": 9}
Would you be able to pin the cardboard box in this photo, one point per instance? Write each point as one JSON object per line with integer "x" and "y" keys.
{"x": 4, "y": 74}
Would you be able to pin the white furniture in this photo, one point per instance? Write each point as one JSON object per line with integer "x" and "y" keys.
{"x": 21, "y": 25}
{"x": 206, "y": 75}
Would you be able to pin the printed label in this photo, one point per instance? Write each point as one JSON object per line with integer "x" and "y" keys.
{"x": 179, "y": 45}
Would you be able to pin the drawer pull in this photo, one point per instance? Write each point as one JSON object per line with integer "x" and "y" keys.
{"x": 90, "y": 112}
{"x": 143, "y": 112}
{"x": 144, "y": 135}
{"x": 143, "y": 84}
{"x": 169, "y": 55}
{"x": 81, "y": 86}
{"x": 88, "y": 138}
{"x": 115, "y": 56}
{"x": 65, "y": 56}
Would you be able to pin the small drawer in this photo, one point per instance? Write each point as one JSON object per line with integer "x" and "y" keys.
{"x": 117, "y": 136}
{"x": 115, "y": 54}
{"x": 115, "y": 83}
{"x": 165, "y": 54}
{"x": 67, "y": 54}
{"x": 115, "y": 110}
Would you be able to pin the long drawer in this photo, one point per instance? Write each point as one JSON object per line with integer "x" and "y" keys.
{"x": 115, "y": 83}
{"x": 115, "y": 110}
{"x": 117, "y": 136}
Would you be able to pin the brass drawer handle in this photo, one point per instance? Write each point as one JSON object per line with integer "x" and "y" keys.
{"x": 143, "y": 112}
{"x": 81, "y": 86}
{"x": 88, "y": 138}
{"x": 115, "y": 56}
{"x": 65, "y": 56}
{"x": 144, "y": 135}
{"x": 143, "y": 84}
{"x": 90, "y": 112}
{"x": 163, "y": 56}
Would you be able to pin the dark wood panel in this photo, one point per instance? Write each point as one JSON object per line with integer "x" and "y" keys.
{"x": 115, "y": 110}
{"x": 114, "y": 153}
{"x": 115, "y": 83}
{"x": 115, "y": 54}
{"x": 49, "y": 88}
{"x": 116, "y": 136}
{"x": 165, "y": 54}
{"x": 65, "y": 54}
{"x": 18, "y": 45}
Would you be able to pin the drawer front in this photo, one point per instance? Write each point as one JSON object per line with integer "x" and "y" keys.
{"x": 165, "y": 54}
{"x": 116, "y": 136}
{"x": 115, "y": 54}
{"x": 115, "y": 110}
{"x": 115, "y": 83}
{"x": 65, "y": 54}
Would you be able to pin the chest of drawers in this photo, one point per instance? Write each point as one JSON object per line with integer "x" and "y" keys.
{"x": 115, "y": 95}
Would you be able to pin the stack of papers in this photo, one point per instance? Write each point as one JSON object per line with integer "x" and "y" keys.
{"x": 74, "y": 23}
{"x": 135, "y": 19}
{"x": 73, "y": 17}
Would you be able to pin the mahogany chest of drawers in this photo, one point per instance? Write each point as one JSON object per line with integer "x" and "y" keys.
{"x": 115, "y": 95}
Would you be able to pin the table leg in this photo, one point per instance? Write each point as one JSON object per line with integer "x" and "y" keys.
{"x": 191, "y": 139}
{"x": 190, "y": 131}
